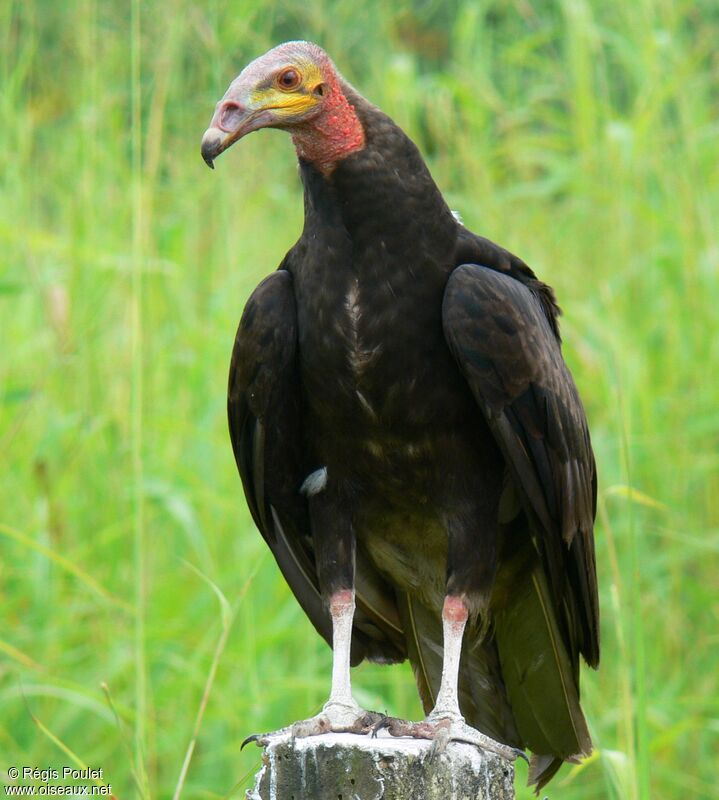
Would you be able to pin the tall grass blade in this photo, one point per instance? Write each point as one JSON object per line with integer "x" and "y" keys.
{"x": 64, "y": 564}
{"x": 136, "y": 410}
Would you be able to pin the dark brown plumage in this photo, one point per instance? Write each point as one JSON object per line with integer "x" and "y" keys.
{"x": 413, "y": 370}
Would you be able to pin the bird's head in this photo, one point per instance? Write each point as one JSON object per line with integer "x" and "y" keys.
{"x": 295, "y": 87}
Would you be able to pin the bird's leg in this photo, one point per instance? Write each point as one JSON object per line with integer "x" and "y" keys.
{"x": 471, "y": 567}
{"x": 446, "y": 716}
{"x": 335, "y": 552}
{"x": 454, "y": 620}
{"x": 341, "y": 713}
{"x": 342, "y": 609}
{"x": 445, "y": 722}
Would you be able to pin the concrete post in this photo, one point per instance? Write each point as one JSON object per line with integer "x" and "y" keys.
{"x": 343, "y": 766}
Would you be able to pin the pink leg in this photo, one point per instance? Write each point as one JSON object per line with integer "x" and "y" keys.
{"x": 340, "y": 712}
{"x": 342, "y": 609}
{"x": 445, "y": 723}
{"x": 454, "y": 620}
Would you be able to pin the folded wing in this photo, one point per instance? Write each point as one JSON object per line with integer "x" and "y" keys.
{"x": 264, "y": 406}
{"x": 545, "y": 602}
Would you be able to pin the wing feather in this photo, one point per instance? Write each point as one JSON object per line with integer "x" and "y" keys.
{"x": 499, "y": 332}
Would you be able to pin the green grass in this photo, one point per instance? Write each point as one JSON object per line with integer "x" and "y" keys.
{"x": 582, "y": 135}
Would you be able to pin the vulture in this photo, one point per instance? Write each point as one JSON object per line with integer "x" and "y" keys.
{"x": 411, "y": 444}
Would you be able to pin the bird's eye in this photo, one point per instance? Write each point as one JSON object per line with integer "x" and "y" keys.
{"x": 288, "y": 79}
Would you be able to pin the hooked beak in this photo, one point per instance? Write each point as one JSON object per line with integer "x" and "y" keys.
{"x": 230, "y": 123}
{"x": 212, "y": 145}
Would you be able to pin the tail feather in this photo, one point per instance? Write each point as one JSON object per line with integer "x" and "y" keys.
{"x": 540, "y": 674}
{"x": 422, "y": 651}
{"x": 542, "y": 769}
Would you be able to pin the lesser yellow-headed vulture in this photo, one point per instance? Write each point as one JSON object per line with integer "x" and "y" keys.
{"x": 411, "y": 443}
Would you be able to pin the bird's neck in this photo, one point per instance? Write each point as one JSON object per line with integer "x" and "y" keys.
{"x": 332, "y": 135}
{"x": 385, "y": 194}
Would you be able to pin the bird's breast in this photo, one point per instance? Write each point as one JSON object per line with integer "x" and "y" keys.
{"x": 379, "y": 382}
{"x": 360, "y": 354}
{"x": 369, "y": 350}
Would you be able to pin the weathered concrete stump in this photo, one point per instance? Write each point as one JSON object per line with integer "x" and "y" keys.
{"x": 343, "y": 766}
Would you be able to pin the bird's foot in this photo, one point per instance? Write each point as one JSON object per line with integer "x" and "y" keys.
{"x": 443, "y": 729}
{"x": 334, "y": 718}
{"x": 337, "y": 718}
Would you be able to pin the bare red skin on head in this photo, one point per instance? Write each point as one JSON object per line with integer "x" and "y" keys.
{"x": 334, "y": 133}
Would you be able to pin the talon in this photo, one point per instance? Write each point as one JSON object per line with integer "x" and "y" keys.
{"x": 440, "y": 741}
{"x": 382, "y": 724}
{"x": 255, "y": 737}
{"x": 373, "y": 717}
{"x": 520, "y": 754}
{"x": 364, "y": 724}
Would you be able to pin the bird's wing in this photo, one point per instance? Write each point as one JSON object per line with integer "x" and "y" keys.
{"x": 545, "y": 602}
{"x": 265, "y": 420}
{"x": 498, "y": 331}
{"x": 265, "y": 428}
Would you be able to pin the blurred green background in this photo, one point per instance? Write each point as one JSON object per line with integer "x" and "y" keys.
{"x": 141, "y": 617}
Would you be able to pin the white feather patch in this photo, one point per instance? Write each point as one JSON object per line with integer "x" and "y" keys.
{"x": 315, "y": 482}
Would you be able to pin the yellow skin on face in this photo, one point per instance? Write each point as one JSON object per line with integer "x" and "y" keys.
{"x": 287, "y": 104}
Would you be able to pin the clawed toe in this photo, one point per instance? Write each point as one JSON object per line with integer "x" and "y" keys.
{"x": 255, "y": 737}
{"x": 442, "y": 731}
{"x": 393, "y": 725}
{"x": 440, "y": 739}
{"x": 367, "y": 723}
{"x": 263, "y": 739}
{"x": 332, "y": 719}
{"x": 401, "y": 727}
{"x": 439, "y": 730}
{"x": 381, "y": 724}
{"x": 314, "y": 726}
{"x": 518, "y": 753}
{"x": 461, "y": 732}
